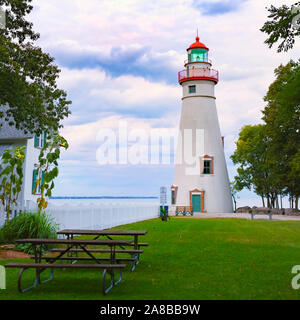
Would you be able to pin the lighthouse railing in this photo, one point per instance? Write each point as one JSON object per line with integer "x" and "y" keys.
{"x": 198, "y": 73}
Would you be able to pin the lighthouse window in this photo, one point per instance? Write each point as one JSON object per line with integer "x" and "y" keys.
{"x": 207, "y": 167}
{"x": 197, "y": 55}
{"x": 192, "y": 89}
{"x": 173, "y": 196}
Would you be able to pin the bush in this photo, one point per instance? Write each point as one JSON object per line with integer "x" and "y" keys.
{"x": 28, "y": 225}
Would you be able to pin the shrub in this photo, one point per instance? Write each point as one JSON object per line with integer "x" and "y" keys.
{"x": 28, "y": 225}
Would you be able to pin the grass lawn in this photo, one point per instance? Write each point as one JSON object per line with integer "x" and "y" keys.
{"x": 189, "y": 259}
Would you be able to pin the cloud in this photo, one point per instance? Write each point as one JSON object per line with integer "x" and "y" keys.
{"x": 96, "y": 94}
{"x": 120, "y": 60}
{"x": 216, "y": 7}
{"x": 136, "y": 61}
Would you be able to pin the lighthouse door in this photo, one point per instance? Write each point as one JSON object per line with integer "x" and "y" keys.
{"x": 196, "y": 202}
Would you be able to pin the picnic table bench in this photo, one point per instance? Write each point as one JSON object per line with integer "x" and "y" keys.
{"x": 40, "y": 267}
{"x": 135, "y": 253}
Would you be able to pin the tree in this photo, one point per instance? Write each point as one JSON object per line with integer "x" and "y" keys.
{"x": 282, "y": 118}
{"x": 251, "y": 156}
{"x": 284, "y": 26}
{"x": 268, "y": 155}
{"x": 28, "y": 77}
{"x": 11, "y": 177}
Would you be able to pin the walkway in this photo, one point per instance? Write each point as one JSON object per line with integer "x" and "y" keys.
{"x": 243, "y": 216}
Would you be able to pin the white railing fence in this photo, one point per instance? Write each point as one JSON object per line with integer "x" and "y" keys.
{"x": 96, "y": 216}
{"x": 91, "y": 216}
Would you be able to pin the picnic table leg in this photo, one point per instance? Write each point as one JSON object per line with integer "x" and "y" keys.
{"x": 109, "y": 238}
{"x": 136, "y": 255}
{"x": 36, "y": 282}
{"x": 113, "y": 261}
{"x": 112, "y": 280}
{"x": 37, "y": 259}
{"x": 68, "y": 253}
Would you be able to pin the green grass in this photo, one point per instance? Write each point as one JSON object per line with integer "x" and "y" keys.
{"x": 190, "y": 259}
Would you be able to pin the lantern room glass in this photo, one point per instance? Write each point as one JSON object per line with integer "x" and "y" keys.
{"x": 197, "y": 55}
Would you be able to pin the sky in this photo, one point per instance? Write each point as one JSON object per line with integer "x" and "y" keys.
{"x": 119, "y": 62}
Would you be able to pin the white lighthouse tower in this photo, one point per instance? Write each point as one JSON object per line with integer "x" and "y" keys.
{"x": 204, "y": 184}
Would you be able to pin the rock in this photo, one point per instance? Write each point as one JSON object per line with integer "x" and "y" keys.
{"x": 277, "y": 211}
{"x": 243, "y": 209}
{"x": 291, "y": 212}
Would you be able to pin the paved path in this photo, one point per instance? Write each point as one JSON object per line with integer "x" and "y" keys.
{"x": 242, "y": 216}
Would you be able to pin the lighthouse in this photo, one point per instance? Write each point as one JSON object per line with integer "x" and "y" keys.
{"x": 203, "y": 183}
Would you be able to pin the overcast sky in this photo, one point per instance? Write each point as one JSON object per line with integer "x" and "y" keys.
{"x": 119, "y": 61}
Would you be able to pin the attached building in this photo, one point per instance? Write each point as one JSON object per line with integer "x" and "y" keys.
{"x": 12, "y": 137}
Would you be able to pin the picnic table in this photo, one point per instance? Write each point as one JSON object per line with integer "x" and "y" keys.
{"x": 135, "y": 253}
{"x": 40, "y": 267}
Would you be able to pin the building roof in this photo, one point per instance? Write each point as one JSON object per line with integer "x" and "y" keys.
{"x": 197, "y": 44}
{"x": 8, "y": 132}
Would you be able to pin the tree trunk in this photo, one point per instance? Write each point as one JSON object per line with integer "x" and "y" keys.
{"x": 277, "y": 202}
{"x": 263, "y": 200}
{"x": 297, "y": 203}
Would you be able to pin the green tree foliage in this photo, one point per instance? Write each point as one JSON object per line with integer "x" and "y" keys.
{"x": 282, "y": 118}
{"x": 268, "y": 155}
{"x": 283, "y": 26}
{"x": 28, "y": 77}
{"x": 11, "y": 177}
{"x": 251, "y": 157}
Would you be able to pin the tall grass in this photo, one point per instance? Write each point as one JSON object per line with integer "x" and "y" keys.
{"x": 28, "y": 225}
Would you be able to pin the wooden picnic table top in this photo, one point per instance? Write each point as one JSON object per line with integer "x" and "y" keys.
{"x": 75, "y": 242}
{"x": 104, "y": 232}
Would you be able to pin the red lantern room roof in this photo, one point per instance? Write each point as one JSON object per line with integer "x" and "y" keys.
{"x": 197, "y": 44}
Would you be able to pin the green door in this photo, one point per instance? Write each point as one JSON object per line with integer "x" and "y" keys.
{"x": 196, "y": 202}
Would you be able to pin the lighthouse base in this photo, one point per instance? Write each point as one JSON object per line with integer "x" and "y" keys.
{"x": 200, "y": 200}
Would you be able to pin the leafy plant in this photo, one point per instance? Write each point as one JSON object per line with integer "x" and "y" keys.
{"x": 11, "y": 177}
{"x": 29, "y": 225}
{"x": 163, "y": 214}
{"x": 48, "y": 164}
